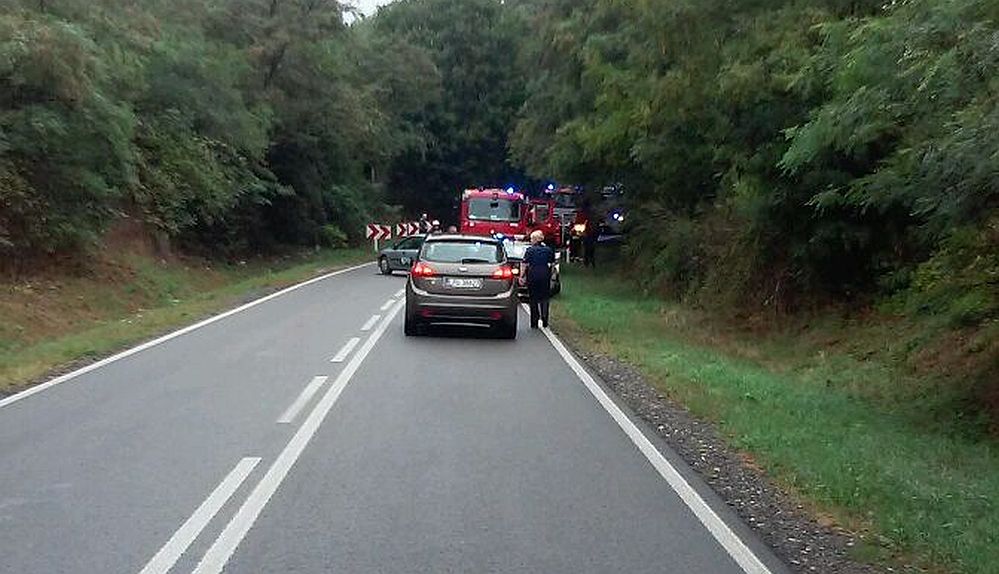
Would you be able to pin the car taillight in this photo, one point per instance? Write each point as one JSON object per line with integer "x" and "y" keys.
{"x": 503, "y": 273}
{"x": 422, "y": 270}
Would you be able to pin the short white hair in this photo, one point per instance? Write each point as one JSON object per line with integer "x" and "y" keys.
{"x": 537, "y": 236}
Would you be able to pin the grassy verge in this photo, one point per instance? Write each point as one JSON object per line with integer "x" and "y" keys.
{"x": 921, "y": 494}
{"x": 56, "y": 320}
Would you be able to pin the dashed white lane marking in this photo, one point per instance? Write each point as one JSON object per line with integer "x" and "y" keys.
{"x": 371, "y": 323}
{"x": 164, "y": 560}
{"x": 344, "y": 351}
{"x": 68, "y": 376}
{"x": 225, "y": 545}
{"x": 388, "y": 304}
{"x": 302, "y": 400}
{"x": 400, "y": 292}
{"x": 729, "y": 540}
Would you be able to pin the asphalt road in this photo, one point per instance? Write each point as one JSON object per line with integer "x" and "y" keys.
{"x": 305, "y": 435}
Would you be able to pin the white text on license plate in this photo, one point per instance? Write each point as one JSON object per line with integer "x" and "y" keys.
{"x": 465, "y": 283}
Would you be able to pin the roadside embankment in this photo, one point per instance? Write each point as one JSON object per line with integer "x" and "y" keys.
{"x": 837, "y": 425}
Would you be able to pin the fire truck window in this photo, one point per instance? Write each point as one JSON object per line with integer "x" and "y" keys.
{"x": 494, "y": 210}
{"x": 565, "y": 200}
{"x": 541, "y": 213}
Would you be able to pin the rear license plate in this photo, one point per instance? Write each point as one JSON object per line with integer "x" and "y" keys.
{"x": 463, "y": 283}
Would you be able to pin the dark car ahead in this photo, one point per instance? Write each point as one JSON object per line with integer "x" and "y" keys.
{"x": 462, "y": 279}
{"x": 400, "y": 256}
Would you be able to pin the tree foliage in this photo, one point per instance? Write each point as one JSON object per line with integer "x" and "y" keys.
{"x": 774, "y": 152}
{"x": 778, "y": 150}
{"x": 473, "y": 45}
{"x": 228, "y": 125}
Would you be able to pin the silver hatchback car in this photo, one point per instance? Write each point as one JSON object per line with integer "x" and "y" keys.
{"x": 462, "y": 279}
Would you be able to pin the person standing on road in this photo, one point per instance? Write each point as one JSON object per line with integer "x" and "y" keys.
{"x": 538, "y": 261}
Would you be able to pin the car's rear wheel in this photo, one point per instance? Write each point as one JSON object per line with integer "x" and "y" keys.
{"x": 383, "y": 265}
{"x": 508, "y": 329}
{"x": 411, "y": 327}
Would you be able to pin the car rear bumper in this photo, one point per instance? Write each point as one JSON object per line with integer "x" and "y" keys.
{"x": 425, "y": 307}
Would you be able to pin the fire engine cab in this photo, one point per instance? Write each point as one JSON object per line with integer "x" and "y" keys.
{"x": 492, "y": 212}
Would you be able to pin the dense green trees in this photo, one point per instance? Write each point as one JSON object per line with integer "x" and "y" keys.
{"x": 227, "y": 125}
{"x": 65, "y": 139}
{"x": 780, "y": 150}
{"x": 774, "y": 152}
{"x": 474, "y": 46}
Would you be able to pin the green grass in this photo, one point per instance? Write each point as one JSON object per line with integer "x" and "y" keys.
{"x": 917, "y": 494}
{"x": 60, "y": 321}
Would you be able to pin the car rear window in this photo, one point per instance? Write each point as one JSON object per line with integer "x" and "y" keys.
{"x": 462, "y": 252}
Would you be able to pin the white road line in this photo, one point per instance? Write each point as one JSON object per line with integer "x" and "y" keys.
{"x": 400, "y": 292}
{"x": 728, "y": 539}
{"x": 225, "y": 545}
{"x": 165, "y": 559}
{"x": 302, "y": 400}
{"x": 388, "y": 304}
{"x": 127, "y": 353}
{"x": 371, "y": 323}
{"x": 344, "y": 351}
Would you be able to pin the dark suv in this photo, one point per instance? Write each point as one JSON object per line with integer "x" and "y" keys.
{"x": 462, "y": 279}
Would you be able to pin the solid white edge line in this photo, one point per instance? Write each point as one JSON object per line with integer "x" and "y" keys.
{"x": 165, "y": 559}
{"x": 728, "y": 539}
{"x": 225, "y": 545}
{"x": 388, "y": 304}
{"x": 303, "y": 399}
{"x": 129, "y": 352}
{"x": 371, "y": 323}
{"x": 344, "y": 351}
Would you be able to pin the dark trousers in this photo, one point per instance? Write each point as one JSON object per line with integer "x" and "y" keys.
{"x": 539, "y": 310}
{"x": 539, "y": 294}
{"x": 589, "y": 252}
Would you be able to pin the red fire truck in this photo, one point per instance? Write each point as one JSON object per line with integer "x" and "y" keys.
{"x": 505, "y": 212}
{"x": 493, "y": 211}
{"x": 542, "y": 216}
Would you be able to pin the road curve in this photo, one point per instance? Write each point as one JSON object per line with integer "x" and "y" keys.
{"x": 307, "y": 434}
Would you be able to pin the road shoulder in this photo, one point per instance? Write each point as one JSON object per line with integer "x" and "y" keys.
{"x": 783, "y": 523}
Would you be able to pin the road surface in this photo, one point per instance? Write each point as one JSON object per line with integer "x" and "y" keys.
{"x": 306, "y": 434}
